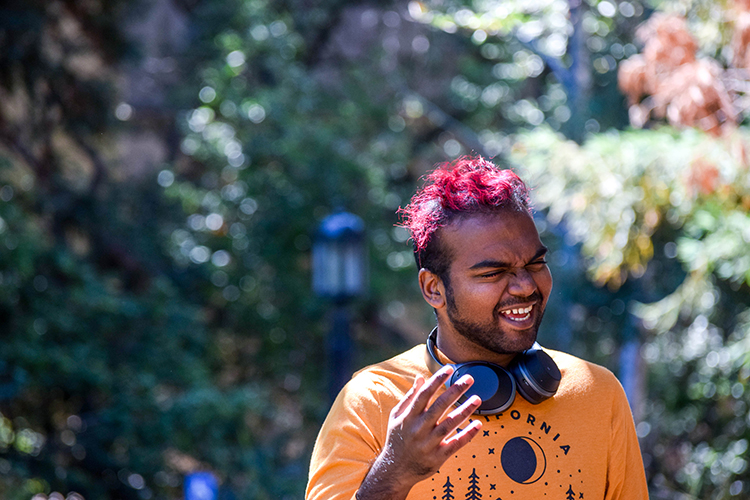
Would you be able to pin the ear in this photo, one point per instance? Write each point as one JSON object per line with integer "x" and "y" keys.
{"x": 432, "y": 288}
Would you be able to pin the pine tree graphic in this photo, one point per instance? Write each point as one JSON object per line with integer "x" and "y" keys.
{"x": 571, "y": 494}
{"x": 473, "y": 493}
{"x": 448, "y": 489}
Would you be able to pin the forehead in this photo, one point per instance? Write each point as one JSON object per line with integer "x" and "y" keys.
{"x": 508, "y": 236}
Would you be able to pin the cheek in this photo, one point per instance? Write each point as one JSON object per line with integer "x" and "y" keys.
{"x": 479, "y": 296}
{"x": 544, "y": 283}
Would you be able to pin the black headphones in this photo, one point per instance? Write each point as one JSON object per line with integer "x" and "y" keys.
{"x": 532, "y": 373}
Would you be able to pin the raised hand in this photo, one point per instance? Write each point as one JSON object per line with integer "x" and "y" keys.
{"x": 420, "y": 436}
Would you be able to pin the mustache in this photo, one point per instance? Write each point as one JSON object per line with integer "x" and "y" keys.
{"x": 534, "y": 297}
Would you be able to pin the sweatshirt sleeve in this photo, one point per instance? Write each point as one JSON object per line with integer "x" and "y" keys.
{"x": 626, "y": 476}
{"x": 350, "y": 439}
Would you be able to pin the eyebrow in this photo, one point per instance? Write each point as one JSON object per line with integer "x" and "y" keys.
{"x": 489, "y": 263}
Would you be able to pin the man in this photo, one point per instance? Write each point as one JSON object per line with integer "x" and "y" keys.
{"x": 397, "y": 430}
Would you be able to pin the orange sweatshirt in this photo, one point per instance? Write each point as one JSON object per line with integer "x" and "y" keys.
{"x": 578, "y": 445}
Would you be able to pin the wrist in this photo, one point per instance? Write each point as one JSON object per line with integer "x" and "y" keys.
{"x": 385, "y": 481}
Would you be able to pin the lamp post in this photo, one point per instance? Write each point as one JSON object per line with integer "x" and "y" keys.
{"x": 339, "y": 268}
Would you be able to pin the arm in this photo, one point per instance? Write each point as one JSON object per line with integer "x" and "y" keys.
{"x": 627, "y": 478}
{"x": 419, "y": 438}
{"x": 362, "y": 451}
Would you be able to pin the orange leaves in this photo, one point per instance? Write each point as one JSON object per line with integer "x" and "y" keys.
{"x": 634, "y": 79}
{"x": 694, "y": 96}
{"x": 669, "y": 43}
{"x": 687, "y": 91}
{"x": 741, "y": 41}
{"x": 668, "y": 46}
{"x": 703, "y": 177}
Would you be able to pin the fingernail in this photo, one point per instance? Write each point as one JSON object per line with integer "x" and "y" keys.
{"x": 446, "y": 370}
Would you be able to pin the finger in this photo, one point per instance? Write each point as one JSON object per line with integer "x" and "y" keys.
{"x": 428, "y": 390}
{"x": 408, "y": 398}
{"x": 449, "y": 398}
{"x": 455, "y": 443}
{"x": 458, "y": 416}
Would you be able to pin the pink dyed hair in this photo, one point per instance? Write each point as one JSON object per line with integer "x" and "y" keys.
{"x": 468, "y": 185}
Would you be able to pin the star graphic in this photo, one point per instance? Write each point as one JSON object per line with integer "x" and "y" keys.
{"x": 492, "y": 451}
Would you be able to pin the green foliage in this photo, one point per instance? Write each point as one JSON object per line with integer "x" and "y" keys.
{"x": 631, "y": 196}
{"x": 117, "y": 373}
{"x": 642, "y": 179}
{"x": 165, "y": 324}
{"x": 552, "y": 62}
{"x": 168, "y": 324}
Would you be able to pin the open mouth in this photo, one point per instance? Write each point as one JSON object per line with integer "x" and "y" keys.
{"x": 518, "y": 314}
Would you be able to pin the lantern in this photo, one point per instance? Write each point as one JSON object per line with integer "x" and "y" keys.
{"x": 339, "y": 259}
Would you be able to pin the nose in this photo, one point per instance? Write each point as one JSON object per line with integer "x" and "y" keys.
{"x": 521, "y": 283}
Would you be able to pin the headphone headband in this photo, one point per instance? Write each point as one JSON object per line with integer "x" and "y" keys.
{"x": 434, "y": 363}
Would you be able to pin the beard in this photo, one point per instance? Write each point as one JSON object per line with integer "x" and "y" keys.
{"x": 490, "y": 334}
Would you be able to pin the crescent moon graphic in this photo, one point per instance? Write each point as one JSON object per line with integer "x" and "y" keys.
{"x": 523, "y": 460}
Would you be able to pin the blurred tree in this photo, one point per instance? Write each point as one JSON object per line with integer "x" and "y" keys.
{"x": 638, "y": 199}
{"x": 553, "y": 62}
{"x": 162, "y": 322}
{"x": 660, "y": 215}
{"x": 632, "y": 202}
{"x": 106, "y": 364}
{"x": 155, "y": 304}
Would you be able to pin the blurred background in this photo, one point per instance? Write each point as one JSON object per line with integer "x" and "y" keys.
{"x": 169, "y": 168}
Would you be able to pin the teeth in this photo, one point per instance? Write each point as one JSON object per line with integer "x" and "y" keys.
{"x": 525, "y": 311}
{"x": 520, "y": 319}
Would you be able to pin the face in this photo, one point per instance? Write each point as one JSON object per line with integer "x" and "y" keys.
{"x": 499, "y": 281}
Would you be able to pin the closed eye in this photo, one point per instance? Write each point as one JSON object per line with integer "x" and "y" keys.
{"x": 491, "y": 274}
{"x": 537, "y": 265}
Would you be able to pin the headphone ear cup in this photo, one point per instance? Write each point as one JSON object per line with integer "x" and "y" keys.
{"x": 536, "y": 374}
{"x": 493, "y": 384}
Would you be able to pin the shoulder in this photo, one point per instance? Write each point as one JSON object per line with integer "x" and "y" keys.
{"x": 579, "y": 375}
{"x": 590, "y": 390}
{"x": 385, "y": 382}
{"x": 395, "y": 375}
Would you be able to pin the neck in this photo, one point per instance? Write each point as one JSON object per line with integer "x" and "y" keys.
{"x": 461, "y": 350}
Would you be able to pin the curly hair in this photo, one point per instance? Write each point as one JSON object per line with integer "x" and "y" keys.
{"x": 465, "y": 187}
